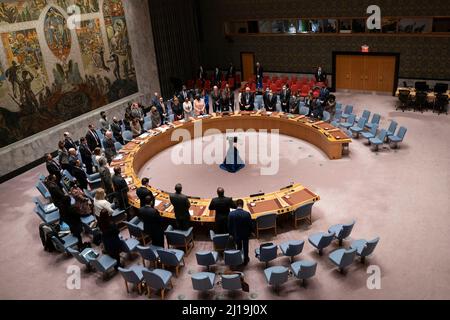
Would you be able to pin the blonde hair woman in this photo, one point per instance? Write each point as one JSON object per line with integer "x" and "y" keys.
{"x": 101, "y": 203}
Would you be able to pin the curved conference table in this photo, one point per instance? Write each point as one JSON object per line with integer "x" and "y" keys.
{"x": 134, "y": 155}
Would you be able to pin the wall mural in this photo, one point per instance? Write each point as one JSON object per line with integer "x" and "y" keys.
{"x": 49, "y": 73}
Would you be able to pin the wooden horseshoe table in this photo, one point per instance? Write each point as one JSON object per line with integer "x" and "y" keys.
{"x": 134, "y": 155}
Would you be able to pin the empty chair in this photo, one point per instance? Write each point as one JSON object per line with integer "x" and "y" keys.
{"x": 378, "y": 140}
{"x": 321, "y": 240}
{"x": 341, "y": 231}
{"x": 337, "y": 118}
{"x": 392, "y": 127}
{"x": 46, "y": 208}
{"x": 364, "y": 248}
{"x": 292, "y": 248}
{"x": 203, "y": 281}
{"x": 129, "y": 245}
{"x": 342, "y": 258}
{"x": 359, "y": 127}
{"x": 157, "y": 279}
{"x": 375, "y": 121}
{"x": 118, "y": 146}
{"x": 395, "y": 139}
{"x": 127, "y": 136}
{"x": 231, "y": 282}
{"x": 404, "y": 100}
{"x": 136, "y": 231}
{"x": 326, "y": 116}
{"x": 441, "y": 103}
{"x": 147, "y": 126}
{"x": 149, "y": 253}
{"x": 348, "y": 111}
{"x": 421, "y": 101}
{"x": 338, "y": 106}
{"x": 304, "y": 269}
{"x": 371, "y": 133}
{"x": 304, "y": 111}
{"x": 43, "y": 190}
{"x": 233, "y": 258}
{"x": 349, "y": 122}
{"x": 172, "y": 258}
{"x": 365, "y": 114}
{"x": 64, "y": 243}
{"x": 220, "y": 241}
{"x": 80, "y": 257}
{"x": 180, "y": 238}
{"x": 303, "y": 213}
{"x": 133, "y": 275}
{"x": 103, "y": 264}
{"x": 276, "y": 276}
{"x": 266, "y": 221}
{"x": 266, "y": 253}
{"x": 206, "y": 258}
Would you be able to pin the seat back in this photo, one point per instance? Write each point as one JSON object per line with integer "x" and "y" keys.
{"x": 220, "y": 240}
{"x": 351, "y": 119}
{"x": 175, "y": 238}
{"x": 374, "y": 129}
{"x": 338, "y": 106}
{"x": 279, "y": 275}
{"x": 326, "y": 116}
{"x": 401, "y": 132}
{"x": 167, "y": 257}
{"x": 153, "y": 280}
{"x": 392, "y": 127}
{"x": 337, "y": 115}
{"x": 308, "y": 269}
{"x": 233, "y": 257}
{"x": 58, "y": 244}
{"x": 370, "y": 247}
{"x": 43, "y": 189}
{"x": 403, "y": 96}
{"x": 366, "y": 114}
{"x": 362, "y": 122}
{"x": 205, "y": 258}
{"x": 382, "y": 135}
{"x": 294, "y": 248}
{"x": 266, "y": 221}
{"x": 147, "y": 126}
{"x": 268, "y": 253}
{"x": 129, "y": 275}
{"x": 304, "y": 111}
{"x": 97, "y": 265}
{"x": 201, "y": 282}
{"x": 127, "y": 136}
{"x": 78, "y": 256}
{"x": 348, "y": 109}
{"x": 118, "y": 146}
{"x": 376, "y": 119}
{"x": 303, "y": 211}
{"x": 147, "y": 253}
{"x": 134, "y": 230}
{"x": 231, "y": 282}
{"x": 346, "y": 230}
{"x": 326, "y": 240}
{"x": 347, "y": 258}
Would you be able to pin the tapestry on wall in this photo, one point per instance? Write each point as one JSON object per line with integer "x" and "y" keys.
{"x": 50, "y": 73}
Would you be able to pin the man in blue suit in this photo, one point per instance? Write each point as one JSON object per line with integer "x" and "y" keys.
{"x": 240, "y": 227}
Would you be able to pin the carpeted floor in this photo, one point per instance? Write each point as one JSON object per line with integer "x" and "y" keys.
{"x": 401, "y": 195}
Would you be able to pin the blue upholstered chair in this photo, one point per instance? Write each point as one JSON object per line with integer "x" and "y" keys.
{"x": 337, "y": 118}
{"x": 326, "y": 116}
{"x": 129, "y": 245}
{"x": 371, "y": 133}
{"x": 133, "y": 275}
{"x": 180, "y": 238}
{"x": 342, "y": 231}
{"x": 220, "y": 241}
{"x": 375, "y": 121}
{"x": 321, "y": 240}
{"x": 104, "y": 264}
{"x": 157, "y": 279}
{"x": 342, "y": 258}
{"x": 365, "y": 114}
{"x": 266, "y": 253}
{"x": 49, "y": 218}
{"x": 350, "y": 121}
{"x": 395, "y": 139}
{"x": 43, "y": 190}
{"x": 292, "y": 248}
{"x": 45, "y": 207}
{"x": 147, "y": 126}
{"x": 233, "y": 258}
{"x": 172, "y": 258}
{"x": 304, "y": 111}
{"x": 364, "y": 248}
{"x": 378, "y": 140}
{"x": 276, "y": 276}
{"x": 348, "y": 111}
{"x": 266, "y": 221}
{"x": 80, "y": 257}
{"x": 127, "y": 136}
{"x": 392, "y": 127}
{"x": 338, "y": 106}
{"x": 207, "y": 258}
{"x": 304, "y": 269}
{"x": 149, "y": 253}
{"x": 64, "y": 243}
{"x": 359, "y": 127}
{"x": 203, "y": 281}
{"x": 136, "y": 230}
{"x": 303, "y": 213}
{"x": 231, "y": 282}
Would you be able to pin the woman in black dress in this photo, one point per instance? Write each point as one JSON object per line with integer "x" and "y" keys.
{"x": 110, "y": 236}
{"x": 177, "y": 109}
{"x": 71, "y": 217}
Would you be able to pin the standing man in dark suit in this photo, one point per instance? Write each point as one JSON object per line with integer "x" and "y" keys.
{"x": 285, "y": 97}
{"x": 55, "y": 191}
{"x": 117, "y": 130}
{"x": 68, "y": 141}
{"x": 121, "y": 188}
{"x": 152, "y": 222}
{"x": 86, "y": 155}
{"x": 217, "y": 77}
{"x": 184, "y": 93}
{"x": 79, "y": 174}
{"x": 270, "y": 101}
{"x": 110, "y": 147}
{"x": 320, "y": 75}
{"x": 53, "y": 167}
{"x": 92, "y": 138}
{"x": 247, "y": 100}
{"x": 240, "y": 227}
{"x": 143, "y": 192}
{"x": 181, "y": 207}
{"x": 259, "y": 75}
{"x": 222, "y": 206}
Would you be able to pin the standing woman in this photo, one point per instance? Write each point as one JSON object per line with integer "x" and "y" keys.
{"x": 177, "y": 109}
{"x": 188, "y": 109}
{"x": 63, "y": 156}
{"x": 227, "y": 100}
{"x": 199, "y": 106}
{"x": 110, "y": 236}
{"x": 162, "y": 111}
{"x": 205, "y": 98}
{"x": 215, "y": 99}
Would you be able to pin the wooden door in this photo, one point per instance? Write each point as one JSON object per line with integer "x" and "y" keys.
{"x": 371, "y": 73}
{"x": 247, "y": 65}
{"x": 343, "y": 72}
{"x": 357, "y": 73}
{"x": 386, "y": 73}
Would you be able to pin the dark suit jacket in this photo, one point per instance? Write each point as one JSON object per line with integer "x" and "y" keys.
{"x": 69, "y": 143}
{"x": 119, "y": 183}
{"x": 181, "y": 206}
{"x": 54, "y": 168}
{"x": 259, "y": 72}
{"x": 93, "y": 140}
{"x": 116, "y": 130}
{"x": 152, "y": 224}
{"x": 142, "y": 193}
{"x": 81, "y": 177}
{"x": 270, "y": 104}
{"x": 110, "y": 149}
{"x": 56, "y": 193}
{"x": 222, "y": 205}
{"x": 86, "y": 154}
{"x": 240, "y": 224}
{"x": 243, "y": 101}
{"x": 284, "y": 98}
{"x": 320, "y": 78}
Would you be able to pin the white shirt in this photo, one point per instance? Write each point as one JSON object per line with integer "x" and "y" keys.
{"x": 99, "y": 205}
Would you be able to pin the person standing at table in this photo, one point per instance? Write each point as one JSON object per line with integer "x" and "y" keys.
{"x": 240, "y": 228}
{"x": 86, "y": 155}
{"x": 247, "y": 100}
{"x": 222, "y": 206}
{"x": 121, "y": 188}
{"x": 270, "y": 101}
{"x": 188, "y": 109}
{"x": 92, "y": 138}
{"x": 152, "y": 222}
{"x": 199, "y": 106}
{"x": 215, "y": 99}
{"x": 110, "y": 147}
{"x": 105, "y": 177}
{"x": 53, "y": 167}
{"x": 227, "y": 100}
{"x": 181, "y": 207}
{"x": 259, "y": 75}
{"x": 285, "y": 96}
{"x": 143, "y": 192}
